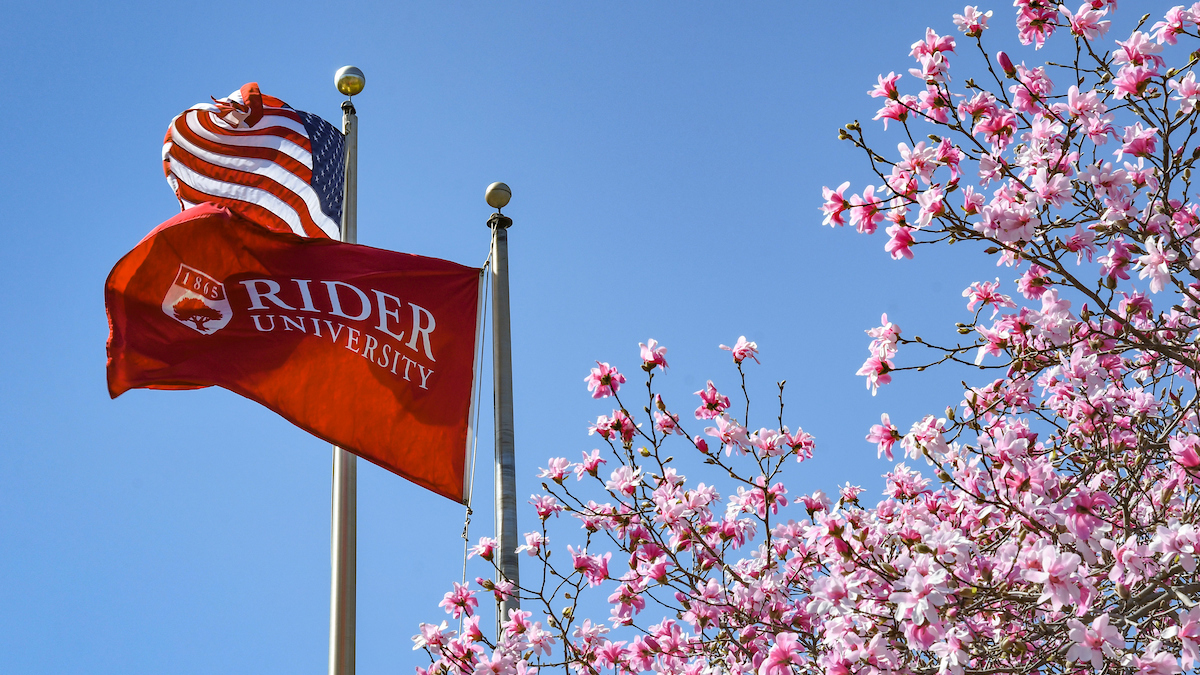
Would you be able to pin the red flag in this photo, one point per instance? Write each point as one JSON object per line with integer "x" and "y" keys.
{"x": 368, "y": 349}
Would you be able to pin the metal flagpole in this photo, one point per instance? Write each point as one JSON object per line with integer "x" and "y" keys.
{"x": 342, "y": 537}
{"x": 497, "y": 196}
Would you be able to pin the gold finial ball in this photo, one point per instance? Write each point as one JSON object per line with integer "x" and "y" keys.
{"x": 350, "y": 80}
{"x": 497, "y": 195}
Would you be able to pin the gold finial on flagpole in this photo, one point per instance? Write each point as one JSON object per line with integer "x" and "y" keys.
{"x": 350, "y": 80}
{"x": 497, "y": 195}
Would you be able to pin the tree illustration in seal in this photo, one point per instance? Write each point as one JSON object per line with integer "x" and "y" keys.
{"x": 194, "y": 310}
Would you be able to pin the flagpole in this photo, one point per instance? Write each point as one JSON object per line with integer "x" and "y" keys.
{"x": 498, "y": 195}
{"x": 344, "y": 520}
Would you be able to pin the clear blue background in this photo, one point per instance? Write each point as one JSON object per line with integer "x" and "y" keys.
{"x": 666, "y": 161}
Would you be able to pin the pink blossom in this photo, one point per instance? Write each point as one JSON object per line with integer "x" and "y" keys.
{"x": 885, "y": 337}
{"x": 1081, "y": 512}
{"x": 1156, "y": 264}
{"x": 865, "y": 213}
{"x": 980, "y": 105}
{"x": 1138, "y": 50}
{"x": 876, "y": 371}
{"x": 934, "y": 101}
{"x": 919, "y": 595}
{"x": 1082, "y": 243}
{"x": 885, "y": 434}
{"x": 653, "y": 355}
{"x": 1189, "y": 635}
{"x": 624, "y": 480}
{"x": 1035, "y": 22}
{"x": 470, "y": 630}
{"x": 498, "y": 664}
{"x": 534, "y": 541}
{"x": 546, "y": 505}
{"x": 1116, "y": 261}
{"x": 432, "y": 637}
{"x": 1132, "y": 81}
{"x": 713, "y": 403}
{"x": 886, "y": 87}
{"x": 932, "y": 44}
{"x": 1056, "y": 571}
{"x": 1093, "y": 643}
{"x": 1155, "y": 662}
{"x": 460, "y": 601}
{"x": 1188, "y": 90}
{"x": 972, "y": 22}
{"x": 815, "y": 503}
{"x": 800, "y": 442}
{"x": 850, "y": 492}
{"x": 896, "y": 110}
{"x": 1030, "y": 95}
{"x": 1086, "y": 22}
{"x": 931, "y": 205}
{"x": 666, "y": 423}
{"x": 500, "y": 589}
{"x": 731, "y": 434}
{"x": 986, "y": 293}
{"x": 741, "y": 349}
{"x": 1081, "y": 104}
{"x": 834, "y": 205}
{"x": 901, "y": 240}
{"x": 1051, "y": 188}
{"x": 604, "y": 380}
{"x": 785, "y": 653}
{"x": 559, "y": 469}
{"x": 1174, "y": 24}
{"x": 997, "y": 129}
{"x": 594, "y": 567}
{"x": 485, "y": 549}
{"x": 1185, "y": 450}
{"x": 619, "y": 425}
{"x": 613, "y": 655}
{"x": 590, "y": 464}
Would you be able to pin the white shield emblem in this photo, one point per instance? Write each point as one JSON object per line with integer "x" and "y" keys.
{"x": 197, "y": 301}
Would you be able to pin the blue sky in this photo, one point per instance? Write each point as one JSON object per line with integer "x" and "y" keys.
{"x": 666, "y": 162}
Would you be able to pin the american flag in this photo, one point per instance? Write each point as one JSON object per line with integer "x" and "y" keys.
{"x": 256, "y": 155}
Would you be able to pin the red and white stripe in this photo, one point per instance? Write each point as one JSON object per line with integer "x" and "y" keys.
{"x": 212, "y": 154}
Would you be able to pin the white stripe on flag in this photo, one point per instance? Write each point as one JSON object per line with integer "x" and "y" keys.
{"x": 224, "y": 190}
{"x": 267, "y": 141}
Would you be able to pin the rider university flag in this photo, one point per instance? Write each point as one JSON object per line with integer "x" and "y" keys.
{"x": 371, "y": 350}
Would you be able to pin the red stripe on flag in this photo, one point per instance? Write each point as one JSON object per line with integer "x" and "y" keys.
{"x": 283, "y": 159}
{"x": 264, "y": 217}
{"x": 206, "y": 118}
{"x": 261, "y": 182}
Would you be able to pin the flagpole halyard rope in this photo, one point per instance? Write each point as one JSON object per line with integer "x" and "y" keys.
{"x": 475, "y": 433}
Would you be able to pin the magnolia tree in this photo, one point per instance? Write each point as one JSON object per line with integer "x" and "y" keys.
{"x": 1053, "y": 528}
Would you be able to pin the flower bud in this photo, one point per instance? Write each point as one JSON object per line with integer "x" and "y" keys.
{"x": 1006, "y": 64}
